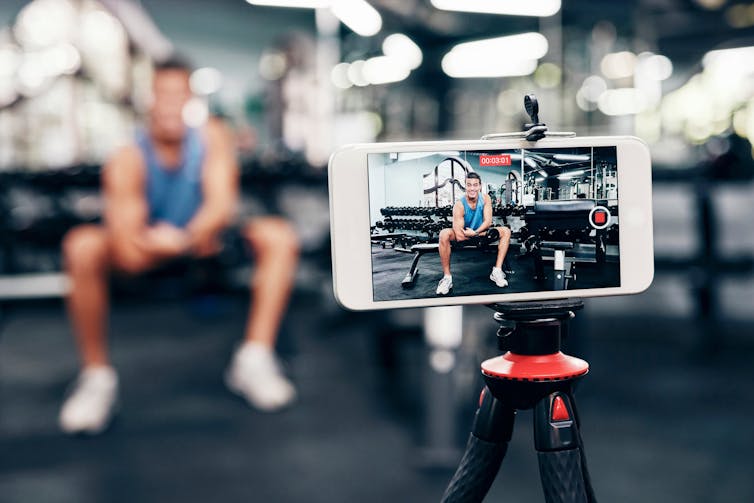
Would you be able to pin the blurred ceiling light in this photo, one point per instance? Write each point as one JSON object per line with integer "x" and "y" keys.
{"x": 525, "y": 46}
{"x": 710, "y": 4}
{"x": 654, "y": 66}
{"x": 339, "y": 76}
{"x": 618, "y": 65}
{"x": 384, "y": 70}
{"x": 206, "y": 81}
{"x": 358, "y": 15}
{"x": 42, "y": 23}
{"x": 400, "y": 47}
{"x": 461, "y": 66}
{"x": 740, "y": 15}
{"x": 548, "y": 75}
{"x": 593, "y": 87}
{"x": 195, "y": 112}
{"x": 540, "y": 8}
{"x": 728, "y": 59}
{"x": 625, "y": 101}
{"x": 509, "y": 102}
{"x": 32, "y": 75}
{"x": 63, "y": 59}
{"x": 9, "y": 61}
{"x": 305, "y": 4}
{"x": 584, "y": 103}
{"x": 356, "y": 73}
{"x": 100, "y": 30}
{"x": 510, "y": 56}
{"x": 273, "y": 65}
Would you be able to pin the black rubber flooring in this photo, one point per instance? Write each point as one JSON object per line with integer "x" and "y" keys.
{"x": 471, "y": 270}
{"x": 660, "y": 423}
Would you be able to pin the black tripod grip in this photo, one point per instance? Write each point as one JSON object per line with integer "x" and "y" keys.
{"x": 485, "y": 450}
{"x": 562, "y": 476}
{"x": 477, "y": 471}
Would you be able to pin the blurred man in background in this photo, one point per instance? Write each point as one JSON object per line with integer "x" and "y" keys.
{"x": 170, "y": 195}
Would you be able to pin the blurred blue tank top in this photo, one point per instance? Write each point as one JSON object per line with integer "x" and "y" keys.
{"x": 473, "y": 219}
{"x": 174, "y": 194}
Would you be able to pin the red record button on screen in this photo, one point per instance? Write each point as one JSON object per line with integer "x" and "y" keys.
{"x": 599, "y": 217}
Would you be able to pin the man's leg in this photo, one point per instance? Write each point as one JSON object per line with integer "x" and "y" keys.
{"x": 446, "y": 236}
{"x": 89, "y": 256}
{"x": 275, "y": 246}
{"x": 255, "y": 372}
{"x": 497, "y": 275}
{"x": 85, "y": 251}
{"x": 446, "y": 283}
{"x": 502, "y": 245}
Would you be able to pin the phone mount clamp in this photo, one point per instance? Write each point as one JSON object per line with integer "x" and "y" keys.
{"x": 533, "y": 373}
{"x": 534, "y": 130}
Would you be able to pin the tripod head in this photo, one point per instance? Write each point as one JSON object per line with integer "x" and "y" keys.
{"x": 533, "y": 366}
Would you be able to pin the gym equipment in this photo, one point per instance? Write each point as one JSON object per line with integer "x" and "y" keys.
{"x": 483, "y": 243}
{"x": 558, "y": 227}
{"x": 532, "y": 374}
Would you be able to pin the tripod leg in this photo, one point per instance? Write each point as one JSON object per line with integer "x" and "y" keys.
{"x": 558, "y": 444}
{"x": 485, "y": 450}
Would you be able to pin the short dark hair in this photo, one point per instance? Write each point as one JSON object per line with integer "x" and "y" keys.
{"x": 474, "y": 175}
{"x": 173, "y": 62}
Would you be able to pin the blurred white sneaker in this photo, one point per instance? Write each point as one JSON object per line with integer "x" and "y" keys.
{"x": 91, "y": 402}
{"x": 444, "y": 286}
{"x": 498, "y": 276}
{"x": 255, "y": 373}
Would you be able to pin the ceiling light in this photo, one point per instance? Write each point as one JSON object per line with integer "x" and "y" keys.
{"x": 618, "y": 65}
{"x": 358, "y": 15}
{"x": 384, "y": 69}
{"x": 539, "y": 8}
{"x": 524, "y": 46}
{"x": 305, "y": 4}
{"x": 571, "y": 157}
{"x": 455, "y": 65}
{"x": 399, "y": 46}
{"x": 624, "y": 101}
{"x": 206, "y": 81}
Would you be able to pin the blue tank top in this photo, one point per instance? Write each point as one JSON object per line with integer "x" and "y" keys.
{"x": 473, "y": 219}
{"x": 174, "y": 194}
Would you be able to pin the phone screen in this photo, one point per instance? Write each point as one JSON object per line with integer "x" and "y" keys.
{"x": 490, "y": 222}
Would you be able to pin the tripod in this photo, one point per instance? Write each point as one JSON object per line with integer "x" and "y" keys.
{"x": 533, "y": 373}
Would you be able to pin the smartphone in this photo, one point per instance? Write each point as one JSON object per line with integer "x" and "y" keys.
{"x": 421, "y": 224}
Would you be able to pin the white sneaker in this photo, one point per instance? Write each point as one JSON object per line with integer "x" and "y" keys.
{"x": 498, "y": 276}
{"x": 444, "y": 286}
{"x": 255, "y": 374}
{"x": 91, "y": 403}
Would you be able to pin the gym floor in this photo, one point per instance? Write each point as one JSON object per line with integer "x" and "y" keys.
{"x": 660, "y": 422}
{"x": 471, "y": 274}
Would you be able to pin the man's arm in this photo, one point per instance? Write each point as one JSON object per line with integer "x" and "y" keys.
{"x": 458, "y": 221}
{"x": 126, "y": 211}
{"x": 127, "y": 214}
{"x": 220, "y": 180}
{"x": 487, "y": 222}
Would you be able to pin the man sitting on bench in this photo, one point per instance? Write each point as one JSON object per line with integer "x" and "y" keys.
{"x": 472, "y": 220}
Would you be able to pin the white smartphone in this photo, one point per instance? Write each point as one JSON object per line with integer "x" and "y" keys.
{"x": 473, "y": 222}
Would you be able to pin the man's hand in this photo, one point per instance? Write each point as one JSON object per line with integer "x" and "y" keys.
{"x": 204, "y": 241}
{"x": 469, "y": 233}
{"x": 164, "y": 240}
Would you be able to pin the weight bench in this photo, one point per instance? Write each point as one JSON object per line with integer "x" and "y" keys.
{"x": 420, "y": 250}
